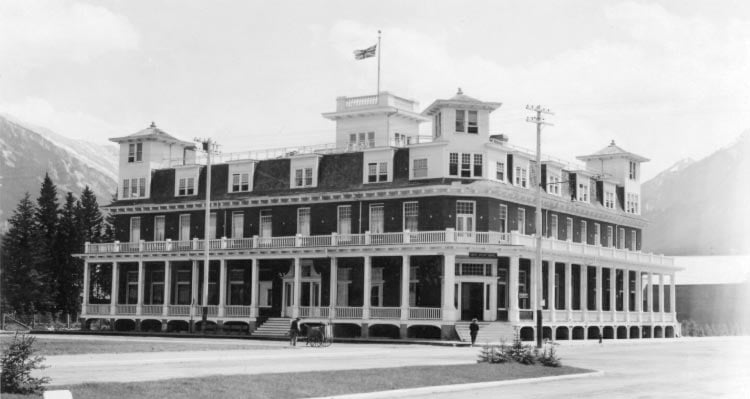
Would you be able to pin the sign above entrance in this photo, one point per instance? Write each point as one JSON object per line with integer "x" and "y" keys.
{"x": 482, "y": 255}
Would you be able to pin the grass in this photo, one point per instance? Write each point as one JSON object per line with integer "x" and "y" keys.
{"x": 53, "y": 347}
{"x": 311, "y": 384}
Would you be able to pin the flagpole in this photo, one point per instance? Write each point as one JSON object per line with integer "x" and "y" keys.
{"x": 378, "y": 92}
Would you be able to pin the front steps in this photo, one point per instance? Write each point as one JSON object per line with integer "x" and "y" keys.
{"x": 489, "y": 332}
{"x": 277, "y": 327}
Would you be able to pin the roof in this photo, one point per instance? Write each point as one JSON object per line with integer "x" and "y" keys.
{"x": 704, "y": 270}
{"x": 613, "y": 151}
{"x": 460, "y": 100}
{"x": 152, "y": 132}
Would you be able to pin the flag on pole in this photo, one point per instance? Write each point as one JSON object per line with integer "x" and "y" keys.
{"x": 366, "y": 53}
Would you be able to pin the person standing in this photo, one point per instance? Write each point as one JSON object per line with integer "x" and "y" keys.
{"x": 473, "y": 330}
{"x": 294, "y": 332}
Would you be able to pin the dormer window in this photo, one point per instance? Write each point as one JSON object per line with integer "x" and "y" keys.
{"x": 631, "y": 203}
{"x": 377, "y": 172}
{"x": 467, "y": 121}
{"x": 241, "y": 176}
{"x": 303, "y": 177}
{"x": 186, "y": 186}
{"x": 135, "y": 152}
{"x": 134, "y": 188}
{"x": 582, "y": 190}
{"x": 240, "y": 182}
{"x": 609, "y": 200}
{"x": 553, "y": 184}
{"x": 304, "y": 171}
{"x": 633, "y": 171}
{"x": 521, "y": 177}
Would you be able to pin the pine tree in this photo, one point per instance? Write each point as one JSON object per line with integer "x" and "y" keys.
{"x": 46, "y": 221}
{"x": 68, "y": 273}
{"x": 109, "y": 225}
{"x": 22, "y": 285}
{"x": 89, "y": 217}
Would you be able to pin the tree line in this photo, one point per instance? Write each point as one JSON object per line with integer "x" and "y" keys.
{"x": 38, "y": 272}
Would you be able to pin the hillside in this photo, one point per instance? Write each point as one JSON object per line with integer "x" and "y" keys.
{"x": 26, "y": 153}
{"x": 700, "y": 207}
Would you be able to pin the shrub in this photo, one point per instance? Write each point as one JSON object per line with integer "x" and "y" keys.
{"x": 519, "y": 353}
{"x": 549, "y": 358}
{"x": 18, "y": 361}
{"x": 494, "y": 354}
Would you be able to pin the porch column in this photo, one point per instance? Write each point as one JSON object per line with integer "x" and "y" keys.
{"x": 254, "y": 293}
{"x": 367, "y": 288}
{"x": 673, "y": 297}
{"x": 334, "y": 286}
{"x": 141, "y": 283}
{"x": 551, "y": 289}
{"x": 297, "y": 287}
{"x": 651, "y": 298}
{"x": 167, "y": 286}
{"x": 194, "y": 288}
{"x": 206, "y": 270}
{"x": 599, "y": 289}
{"x": 626, "y": 294}
{"x": 638, "y": 295}
{"x": 86, "y": 287}
{"x": 661, "y": 296}
{"x": 222, "y": 286}
{"x": 449, "y": 278}
{"x": 115, "y": 292}
{"x": 493, "y": 296}
{"x": 584, "y": 275}
{"x": 613, "y": 293}
{"x": 405, "y": 279}
{"x": 513, "y": 316}
{"x": 532, "y": 289}
{"x": 569, "y": 289}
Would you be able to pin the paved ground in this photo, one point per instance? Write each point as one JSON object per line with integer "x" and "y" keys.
{"x": 664, "y": 368}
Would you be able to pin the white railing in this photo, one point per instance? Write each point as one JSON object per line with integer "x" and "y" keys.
{"x": 425, "y": 313}
{"x": 314, "y": 311}
{"x": 361, "y": 101}
{"x": 152, "y": 310}
{"x": 178, "y": 310}
{"x": 213, "y": 310}
{"x": 346, "y": 312}
{"x": 126, "y": 309}
{"x": 385, "y": 313}
{"x": 98, "y": 309}
{"x": 237, "y": 311}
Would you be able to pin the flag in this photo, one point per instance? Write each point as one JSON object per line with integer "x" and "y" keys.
{"x": 366, "y": 53}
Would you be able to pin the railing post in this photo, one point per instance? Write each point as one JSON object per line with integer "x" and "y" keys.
{"x": 168, "y": 245}
{"x": 141, "y": 244}
{"x": 86, "y": 247}
{"x": 368, "y": 238}
{"x": 255, "y": 241}
{"x": 117, "y": 246}
{"x": 407, "y": 237}
{"x": 223, "y": 243}
{"x": 298, "y": 240}
{"x": 195, "y": 244}
{"x": 450, "y": 234}
{"x": 334, "y": 239}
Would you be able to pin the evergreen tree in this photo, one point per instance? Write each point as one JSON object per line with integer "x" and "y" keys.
{"x": 89, "y": 217}
{"x": 23, "y": 287}
{"x": 68, "y": 272}
{"x": 109, "y": 225}
{"x": 46, "y": 221}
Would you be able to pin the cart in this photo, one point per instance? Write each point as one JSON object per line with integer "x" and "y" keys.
{"x": 320, "y": 336}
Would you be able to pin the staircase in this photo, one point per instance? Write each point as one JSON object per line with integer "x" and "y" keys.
{"x": 489, "y": 332}
{"x": 273, "y": 327}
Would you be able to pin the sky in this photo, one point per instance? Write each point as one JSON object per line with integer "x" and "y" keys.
{"x": 664, "y": 79}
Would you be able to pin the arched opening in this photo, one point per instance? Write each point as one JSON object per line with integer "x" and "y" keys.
{"x": 384, "y": 331}
{"x": 347, "y": 330}
{"x": 210, "y": 326}
{"x": 151, "y": 325}
{"x": 527, "y": 334}
{"x": 124, "y": 325}
{"x": 622, "y": 332}
{"x": 98, "y": 325}
{"x": 424, "y": 332}
{"x": 658, "y": 332}
{"x": 236, "y": 328}
{"x": 578, "y": 332}
{"x": 178, "y": 326}
{"x": 646, "y": 332}
{"x": 608, "y": 332}
{"x": 669, "y": 332}
{"x": 593, "y": 332}
{"x": 547, "y": 333}
{"x": 634, "y": 333}
{"x": 561, "y": 333}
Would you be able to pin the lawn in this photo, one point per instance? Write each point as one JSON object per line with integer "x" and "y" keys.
{"x": 312, "y": 384}
{"x": 62, "y": 346}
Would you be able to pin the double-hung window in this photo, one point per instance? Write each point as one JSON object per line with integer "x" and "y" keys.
{"x": 303, "y": 221}
{"x": 553, "y": 185}
{"x": 569, "y": 229}
{"x": 609, "y": 199}
{"x": 266, "y": 223}
{"x": 633, "y": 171}
{"x": 186, "y": 186}
{"x": 503, "y": 218}
{"x": 597, "y": 234}
{"x": 467, "y": 121}
{"x": 184, "y": 227}
{"x": 610, "y": 236}
{"x": 553, "y": 227}
{"x": 134, "y": 188}
{"x": 584, "y": 232}
{"x": 420, "y": 167}
{"x": 411, "y": 216}
{"x": 240, "y": 182}
{"x": 377, "y": 172}
{"x": 238, "y": 224}
{"x": 453, "y": 164}
{"x": 633, "y": 240}
{"x": 135, "y": 229}
{"x": 465, "y": 165}
{"x": 521, "y": 176}
{"x": 477, "y": 165}
{"x": 460, "y": 121}
{"x": 345, "y": 219}
{"x": 500, "y": 171}
{"x": 159, "y": 228}
{"x": 521, "y": 221}
{"x": 377, "y": 221}
{"x": 126, "y": 188}
{"x": 621, "y": 238}
{"x": 135, "y": 152}
{"x": 303, "y": 177}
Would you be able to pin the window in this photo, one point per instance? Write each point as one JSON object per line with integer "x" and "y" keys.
{"x": 184, "y": 227}
{"x": 377, "y": 172}
{"x": 597, "y": 234}
{"x": 135, "y": 229}
{"x": 584, "y": 232}
{"x": 159, "y": 228}
{"x": 266, "y": 226}
{"x": 377, "y": 220}
{"x": 503, "y": 218}
{"x": 345, "y": 219}
{"x": 477, "y": 165}
{"x": 473, "y": 126}
{"x": 183, "y": 287}
{"x": 353, "y": 139}
{"x": 553, "y": 184}
{"x": 131, "y": 297}
{"x": 553, "y": 227}
{"x": 438, "y": 125}
{"x": 371, "y": 139}
{"x": 134, "y": 188}
{"x": 633, "y": 240}
{"x": 521, "y": 221}
{"x": 631, "y": 204}
{"x": 126, "y": 188}
{"x": 583, "y": 191}
{"x": 609, "y": 200}
{"x": 135, "y": 152}
{"x": 303, "y": 177}
{"x": 633, "y": 171}
{"x": 465, "y": 165}
{"x": 453, "y": 164}
{"x": 236, "y": 287}
{"x": 460, "y": 122}
{"x": 500, "y": 171}
{"x": 186, "y": 186}
{"x": 156, "y": 295}
{"x": 420, "y": 167}
{"x": 411, "y": 216}
{"x": 621, "y": 238}
{"x": 465, "y": 218}
{"x": 569, "y": 229}
{"x": 303, "y": 221}
{"x": 212, "y": 226}
{"x": 521, "y": 176}
{"x": 240, "y": 182}
{"x": 238, "y": 224}
{"x": 610, "y": 236}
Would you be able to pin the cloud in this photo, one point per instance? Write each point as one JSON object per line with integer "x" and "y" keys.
{"x": 37, "y": 33}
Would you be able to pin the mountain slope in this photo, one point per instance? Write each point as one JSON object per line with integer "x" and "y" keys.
{"x": 700, "y": 208}
{"x": 25, "y": 155}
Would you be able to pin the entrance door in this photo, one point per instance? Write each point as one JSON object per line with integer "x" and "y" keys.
{"x": 472, "y": 301}
{"x": 465, "y": 221}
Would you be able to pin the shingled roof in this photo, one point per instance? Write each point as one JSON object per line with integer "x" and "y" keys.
{"x": 154, "y": 133}
{"x": 613, "y": 151}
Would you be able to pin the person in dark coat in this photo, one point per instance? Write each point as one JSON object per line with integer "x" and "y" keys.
{"x": 473, "y": 330}
{"x": 294, "y": 332}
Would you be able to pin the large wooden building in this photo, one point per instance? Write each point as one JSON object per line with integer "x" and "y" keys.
{"x": 384, "y": 233}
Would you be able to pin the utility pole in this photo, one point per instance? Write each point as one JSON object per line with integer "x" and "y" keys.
{"x": 538, "y": 120}
{"x": 208, "y": 146}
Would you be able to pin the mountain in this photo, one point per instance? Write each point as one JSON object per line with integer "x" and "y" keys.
{"x": 700, "y": 207}
{"x": 27, "y": 152}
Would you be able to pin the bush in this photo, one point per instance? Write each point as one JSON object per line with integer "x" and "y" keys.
{"x": 519, "y": 353}
{"x": 549, "y": 358}
{"x": 18, "y": 361}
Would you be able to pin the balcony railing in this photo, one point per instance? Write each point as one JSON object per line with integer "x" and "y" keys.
{"x": 98, "y": 309}
{"x": 385, "y": 313}
{"x": 314, "y": 311}
{"x": 425, "y": 313}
